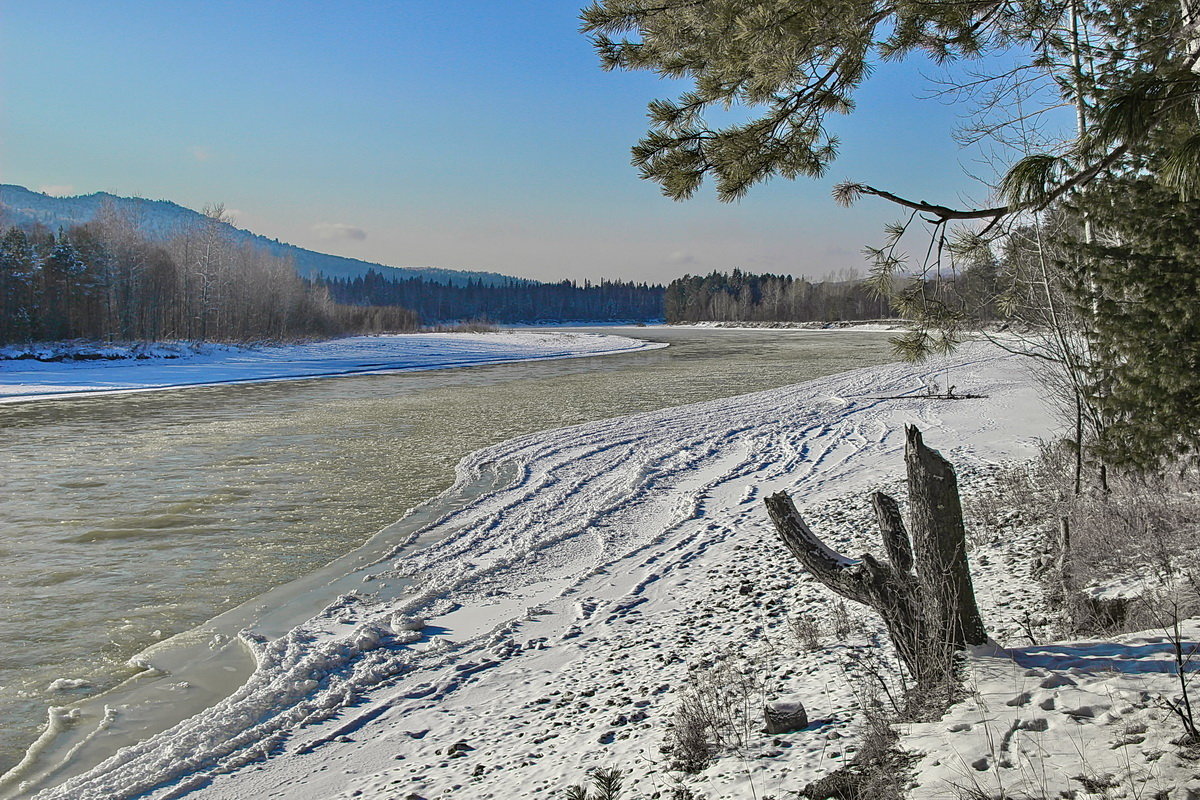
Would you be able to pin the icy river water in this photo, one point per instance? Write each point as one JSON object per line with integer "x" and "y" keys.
{"x": 125, "y": 519}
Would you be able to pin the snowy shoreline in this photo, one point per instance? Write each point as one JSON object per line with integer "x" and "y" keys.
{"x": 531, "y": 586}
{"x": 865, "y": 326}
{"x": 576, "y": 584}
{"x": 163, "y": 367}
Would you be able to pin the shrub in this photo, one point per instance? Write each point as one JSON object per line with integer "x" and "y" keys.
{"x": 719, "y": 710}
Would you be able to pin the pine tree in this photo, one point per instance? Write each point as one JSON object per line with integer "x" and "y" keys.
{"x": 1140, "y": 282}
{"x": 65, "y": 288}
{"x": 796, "y": 65}
{"x": 18, "y": 287}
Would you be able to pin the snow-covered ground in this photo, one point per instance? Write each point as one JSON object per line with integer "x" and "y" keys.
{"x": 1065, "y": 719}
{"x": 620, "y": 565}
{"x": 125, "y": 369}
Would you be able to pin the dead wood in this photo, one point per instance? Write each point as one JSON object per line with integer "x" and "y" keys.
{"x": 923, "y": 591}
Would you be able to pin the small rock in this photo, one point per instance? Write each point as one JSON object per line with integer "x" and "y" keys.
{"x": 785, "y": 716}
{"x": 458, "y": 749}
{"x": 1056, "y": 681}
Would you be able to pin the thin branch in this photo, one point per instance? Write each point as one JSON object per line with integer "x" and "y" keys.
{"x": 845, "y": 193}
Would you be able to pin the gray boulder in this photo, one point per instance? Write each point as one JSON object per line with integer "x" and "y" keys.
{"x": 785, "y": 716}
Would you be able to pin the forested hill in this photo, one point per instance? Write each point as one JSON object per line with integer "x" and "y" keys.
{"x": 161, "y": 219}
{"x": 743, "y": 297}
{"x": 511, "y": 302}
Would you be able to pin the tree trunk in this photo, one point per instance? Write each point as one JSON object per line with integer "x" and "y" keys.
{"x": 940, "y": 543}
{"x": 930, "y": 613}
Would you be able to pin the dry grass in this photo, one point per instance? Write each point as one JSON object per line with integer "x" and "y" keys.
{"x": 719, "y": 710}
{"x": 1022, "y": 494}
{"x": 879, "y": 769}
{"x": 1144, "y": 533}
{"x": 809, "y": 631}
{"x": 842, "y": 624}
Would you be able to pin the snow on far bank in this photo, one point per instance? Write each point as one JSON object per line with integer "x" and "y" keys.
{"x": 142, "y": 368}
{"x": 867, "y": 325}
{"x": 570, "y": 609}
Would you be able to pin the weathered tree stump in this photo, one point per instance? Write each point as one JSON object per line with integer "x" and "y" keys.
{"x": 923, "y": 592}
{"x": 940, "y": 542}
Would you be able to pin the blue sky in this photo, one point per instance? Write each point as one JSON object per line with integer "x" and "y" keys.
{"x": 462, "y": 134}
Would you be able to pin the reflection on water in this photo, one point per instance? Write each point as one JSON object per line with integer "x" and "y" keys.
{"x": 128, "y": 518}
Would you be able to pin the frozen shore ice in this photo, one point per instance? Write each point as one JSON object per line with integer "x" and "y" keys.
{"x": 175, "y": 367}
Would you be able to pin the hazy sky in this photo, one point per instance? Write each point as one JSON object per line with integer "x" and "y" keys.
{"x": 453, "y": 133}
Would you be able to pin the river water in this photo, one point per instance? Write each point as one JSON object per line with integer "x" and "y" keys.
{"x": 125, "y": 519}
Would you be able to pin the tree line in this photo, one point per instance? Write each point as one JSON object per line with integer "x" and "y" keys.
{"x": 105, "y": 280}
{"x": 745, "y": 297}
{"x": 512, "y": 302}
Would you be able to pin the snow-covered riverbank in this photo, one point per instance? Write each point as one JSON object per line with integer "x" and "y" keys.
{"x": 579, "y": 583}
{"x": 566, "y": 607}
{"x": 168, "y": 367}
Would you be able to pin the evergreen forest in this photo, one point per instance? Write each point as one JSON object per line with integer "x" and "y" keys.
{"x": 516, "y": 301}
{"x": 717, "y": 297}
{"x": 741, "y": 296}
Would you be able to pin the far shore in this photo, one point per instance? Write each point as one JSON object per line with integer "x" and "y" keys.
{"x": 158, "y": 367}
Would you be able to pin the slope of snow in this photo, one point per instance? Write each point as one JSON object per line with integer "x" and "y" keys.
{"x": 570, "y": 608}
{"x": 166, "y": 367}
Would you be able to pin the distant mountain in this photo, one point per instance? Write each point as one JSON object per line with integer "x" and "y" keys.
{"x": 161, "y": 218}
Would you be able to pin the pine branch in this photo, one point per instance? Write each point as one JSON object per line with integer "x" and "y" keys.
{"x": 847, "y": 193}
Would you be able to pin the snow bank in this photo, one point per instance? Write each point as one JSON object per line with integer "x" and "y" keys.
{"x": 62, "y": 373}
{"x": 566, "y": 612}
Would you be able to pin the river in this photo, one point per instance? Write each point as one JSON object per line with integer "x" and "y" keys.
{"x": 130, "y": 518}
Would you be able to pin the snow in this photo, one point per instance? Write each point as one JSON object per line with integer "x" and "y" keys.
{"x": 1050, "y": 720}
{"x": 117, "y": 368}
{"x": 866, "y": 326}
{"x": 67, "y": 684}
{"x": 554, "y": 622}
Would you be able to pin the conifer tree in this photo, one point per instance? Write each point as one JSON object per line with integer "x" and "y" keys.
{"x": 1129, "y": 66}
{"x": 64, "y": 289}
{"x": 18, "y": 287}
{"x": 1140, "y": 283}
{"x": 1130, "y": 70}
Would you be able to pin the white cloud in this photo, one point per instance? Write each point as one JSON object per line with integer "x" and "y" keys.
{"x": 65, "y": 190}
{"x": 339, "y": 230}
{"x": 200, "y": 152}
{"x": 680, "y": 257}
